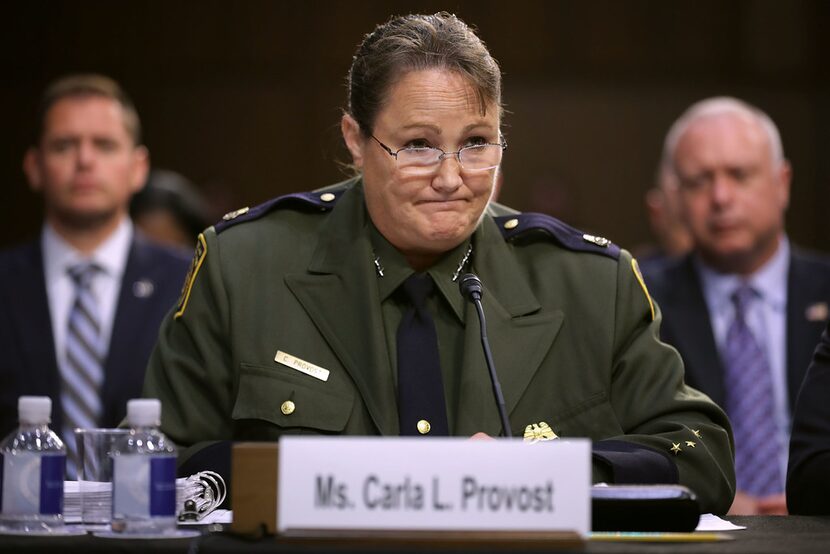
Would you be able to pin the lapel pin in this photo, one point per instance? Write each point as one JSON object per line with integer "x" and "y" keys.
{"x": 143, "y": 288}
{"x": 816, "y": 312}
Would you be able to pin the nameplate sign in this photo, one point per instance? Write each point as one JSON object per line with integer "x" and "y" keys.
{"x": 449, "y": 484}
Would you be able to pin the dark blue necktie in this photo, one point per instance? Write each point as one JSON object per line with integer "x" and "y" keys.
{"x": 421, "y": 406}
{"x": 750, "y": 405}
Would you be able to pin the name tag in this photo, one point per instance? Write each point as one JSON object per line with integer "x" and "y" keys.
{"x": 301, "y": 365}
{"x": 433, "y": 484}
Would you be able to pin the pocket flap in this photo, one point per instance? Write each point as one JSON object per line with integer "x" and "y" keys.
{"x": 288, "y": 400}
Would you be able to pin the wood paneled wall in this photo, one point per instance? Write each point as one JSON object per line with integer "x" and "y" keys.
{"x": 244, "y": 97}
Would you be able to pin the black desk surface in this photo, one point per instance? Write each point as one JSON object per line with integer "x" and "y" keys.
{"x": 764, "y": 534}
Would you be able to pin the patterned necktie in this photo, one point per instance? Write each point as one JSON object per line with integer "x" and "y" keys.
{"x": 751, "y": 405}
{"x": 83, "y": 372}
{"x": 421, "y": 406}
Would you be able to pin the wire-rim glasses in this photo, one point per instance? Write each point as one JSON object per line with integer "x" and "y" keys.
{"x": 475, "y": 157}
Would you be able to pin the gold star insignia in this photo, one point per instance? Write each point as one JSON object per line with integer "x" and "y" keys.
{"x": 690, "y": 444}
{"x": 675, "y": 447}
{"x": 696, "y": 433}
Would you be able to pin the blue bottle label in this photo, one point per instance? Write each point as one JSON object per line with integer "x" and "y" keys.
{"x": 52, "y": 470}
{"x": 143, "y": 486}
{"x": 163, "y": 486}
{"x": 33, "y": 483}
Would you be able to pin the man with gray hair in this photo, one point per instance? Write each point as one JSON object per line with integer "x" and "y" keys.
{"x": 745, "y": 308}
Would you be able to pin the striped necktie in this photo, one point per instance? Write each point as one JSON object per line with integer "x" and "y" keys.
{"x": 83, "y": 371}
{"x": 750, "y": 405}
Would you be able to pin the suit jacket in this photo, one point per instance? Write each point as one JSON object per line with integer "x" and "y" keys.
{"x": 687, "y": 326}
{"x": 808, "y": 484}
{"x": 28, "y": 365}
{"x": 570, "y": 327}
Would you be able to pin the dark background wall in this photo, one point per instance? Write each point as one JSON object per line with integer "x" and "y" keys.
{"x": 244, "y": 97}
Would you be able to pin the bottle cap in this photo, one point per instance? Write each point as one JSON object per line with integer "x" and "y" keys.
{"x": 144, "y": 412}
{"x": 35, "y": 410}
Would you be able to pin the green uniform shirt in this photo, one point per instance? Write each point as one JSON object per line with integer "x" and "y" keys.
{"x": 291, "y": 285}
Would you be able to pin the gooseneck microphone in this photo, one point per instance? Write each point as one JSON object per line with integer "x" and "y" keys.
{"x": 470, "y": 286}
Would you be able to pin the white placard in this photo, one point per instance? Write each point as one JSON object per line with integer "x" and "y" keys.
{"x": 433, "y": 484}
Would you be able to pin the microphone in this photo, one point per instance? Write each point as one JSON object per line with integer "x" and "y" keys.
{"x": 470, "y": 287}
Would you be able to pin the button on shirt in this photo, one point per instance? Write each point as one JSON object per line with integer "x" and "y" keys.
{"x": 766, "y": 317}
{"x": 59, "y": 256}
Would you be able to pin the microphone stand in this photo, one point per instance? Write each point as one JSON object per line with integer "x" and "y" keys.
{"x": 471, "y": 288}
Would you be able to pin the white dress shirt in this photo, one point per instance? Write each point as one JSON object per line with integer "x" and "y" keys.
{"x": 59, "y": 256}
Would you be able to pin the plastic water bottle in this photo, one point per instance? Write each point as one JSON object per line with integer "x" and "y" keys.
{"x": 144, "y": 474}
{"x": 34, "y": 464}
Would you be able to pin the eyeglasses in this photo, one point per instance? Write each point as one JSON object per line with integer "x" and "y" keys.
{"x": 476, "y": 157}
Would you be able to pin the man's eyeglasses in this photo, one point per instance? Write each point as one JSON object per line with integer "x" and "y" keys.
{"x": 476, "y": 157}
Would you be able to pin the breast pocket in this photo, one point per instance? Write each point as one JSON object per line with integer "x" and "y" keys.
{"x": 271, "y": 401}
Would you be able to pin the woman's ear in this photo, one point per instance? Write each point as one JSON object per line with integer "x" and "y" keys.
{"x": 354, "y": 139}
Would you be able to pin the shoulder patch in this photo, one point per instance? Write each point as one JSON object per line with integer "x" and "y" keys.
{"x": 319, "y": 200}
{"x": 530, "y": 226}
{"x": 639, "y": 275}
{"x": 195, "y": 265}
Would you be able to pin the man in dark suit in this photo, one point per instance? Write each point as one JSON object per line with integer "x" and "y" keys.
{"x": 84, "y": 345}
{"x": 746, "y": 308}
{"x": 808, "y": 484}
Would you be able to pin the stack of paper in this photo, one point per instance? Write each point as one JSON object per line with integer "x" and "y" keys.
{"x": 71, "y": 502}
{"x": 196, "y": 497}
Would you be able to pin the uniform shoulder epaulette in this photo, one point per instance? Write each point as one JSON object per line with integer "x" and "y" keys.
{"x": 322, "y": 200}
{"x": 531, "y": 226}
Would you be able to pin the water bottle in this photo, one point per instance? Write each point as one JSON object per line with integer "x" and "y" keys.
{"x": 144, "y": 474}
{"x": 34, "y": 464}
